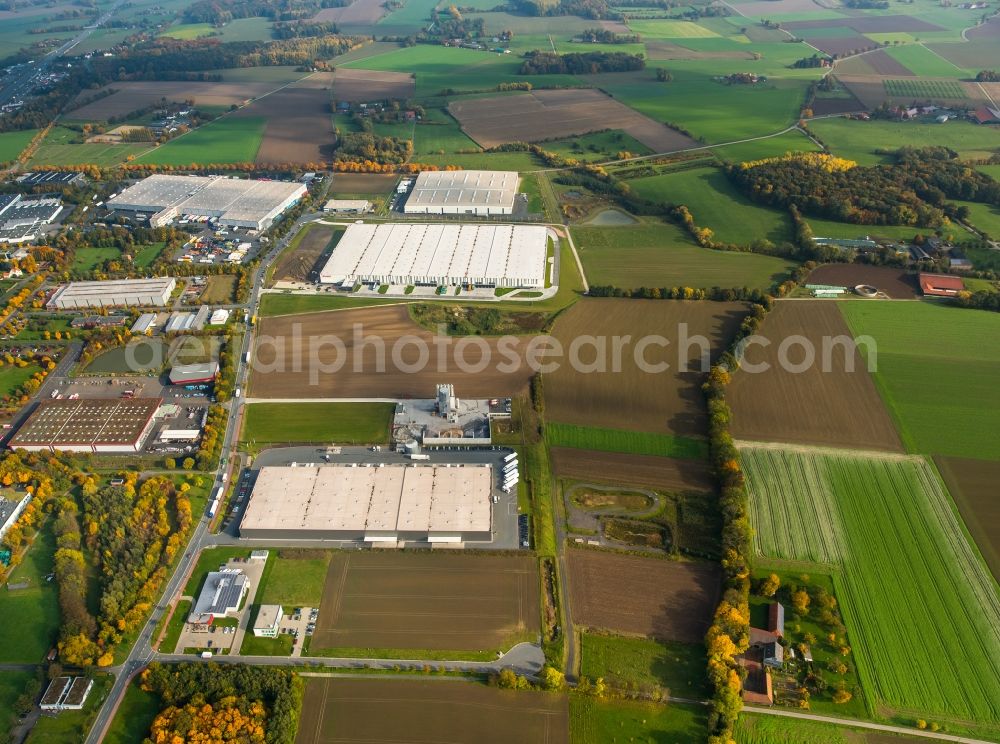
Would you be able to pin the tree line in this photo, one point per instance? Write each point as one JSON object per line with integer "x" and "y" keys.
{"x": 580, "y": 63}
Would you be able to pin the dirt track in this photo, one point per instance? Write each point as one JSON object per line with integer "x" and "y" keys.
{"x": 658, "y": 598}
{"x": 550, "y": 114}
{"x": 834, "y": 408}
{"x": 661, "y": 473}
{"x": 389, "y": 327}
{"x": 664, "y": 401}
{"x": 446, "y": 601}
{"x": 381, "y": 711}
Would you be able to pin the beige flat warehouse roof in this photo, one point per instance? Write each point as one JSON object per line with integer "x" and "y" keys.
{"x": 105, "y": 421}
{"x": 471, "y": 188}
{"x": 390, "y": 499}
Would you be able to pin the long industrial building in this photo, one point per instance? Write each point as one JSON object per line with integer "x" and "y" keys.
{"x": 437, "y": 255}
{"x": 127, "y": 292}
{"x": 389, "y": 503}
{"x": 233, "y": 202}
{"x": 101, "y": 425}
{"x": 463, "y": 192}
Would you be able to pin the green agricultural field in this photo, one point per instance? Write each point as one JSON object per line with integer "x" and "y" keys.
{"x": 616, "y": 440}
{"x": 608, "y": 721}
{"x": 663, "y": 255}
{"x": 621, "y": 662}
{"x": 242, "y": 29}
{"x": 985, "y": 217}
{"x": 924, "y": 89}
{"x": 226, "y": 140}
{"x": 598, "y": 146}
{"x": 146, "y": 254}
{"x": 293, "y": 581}
{"x": 62, "y": 147}
{"x": 907, "y": 565}
{"x": 669, "y": 29}
{"x": 344, "y": 423}
{"x": 12, "y": 143}
{"x": 922, "y": 61}
{"x": 758, "y": 729}
{"x": 292, "y": 304}
{"x": 771, "y": 147}
{"x": 934, "y": 367}
{"x": 830, "y": 229}
{"x": 716, "y": 204}
{"x": 139, "y": 357}
{"x": 869, "y": 142}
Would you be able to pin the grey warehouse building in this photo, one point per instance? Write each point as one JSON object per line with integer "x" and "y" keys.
{"x": 463, "y": 192}
{"x": 127, "y": 292}
{"x": 383, "y": 504}
{"x": 232, "y": 202}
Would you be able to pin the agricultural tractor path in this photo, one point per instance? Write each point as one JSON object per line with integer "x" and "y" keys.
{"x": 904, "y": 730}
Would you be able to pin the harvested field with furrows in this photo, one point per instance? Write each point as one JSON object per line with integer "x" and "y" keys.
{"x": 868, "y": 24}
{"x": 894, "y": 282}
{"x": 846, "y": 105}
{"x": 973, "y": 486}
{"x": 872, "y": 91}
{"x": 358, "y": 12}
{"x": 769, "y": 8}
{"x": 371, "y": 85}
{"x": 132, "y": 95}
{"x": 989, "y": 30}
{"x": 842, "y": 45}
{"x": 551, "y": 114}
{"x": 297, "y": 263}
{"x": 668, "y": 50}
{"x": 882, "y": 64}
{"x": 660, "y": 473}
{"x": 443, "y": 601}
{"x": 299, "y": 121}
{"x": 840, "y": 408}
{"x": 282, "y": 371}
{"x": 380, "y": 711}
{"x": 663, "y": 599}
{"x": 363, "y": 183}
{"x": 663, "y": 399}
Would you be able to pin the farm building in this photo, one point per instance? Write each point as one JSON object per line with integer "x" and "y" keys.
{"x": 234, "y": 202}
{"x": 439, "y": 255}
{"x": 940, "y": 285}
{"x": 221, "y": 595}
{"x": 348, "y": 206}
{"x": 66, "y": 693}
{"x": 390, "y": 503}
{"x": 128, "y": 292}
{"x": 463, "y": 192}
{"x": 96, "y": 425}
{"x": 268, "y": 620}
{"x": 190, "y": 374}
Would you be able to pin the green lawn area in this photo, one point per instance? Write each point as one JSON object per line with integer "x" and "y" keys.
{"x": 12, "y": 377}
{"x": 933, "y": 367}
{"x": 88, "y": 257}
{"x": 225, "y": 140}
{"x": 859, "y": 140}
{"x": 756, "y": 729}
{"x": 829, "y": 229}
{"x": 62, "y": 146}
{"x": 669, "y": 29}
{"x": 254, "y": 646}
{"x": 208, "y": 561}
{"x": 716, "y": 204}
{"x": 175, "y": 626}
{"x": 663, "y": 255}
{"x": 12, "y": 143}
{"x": 291, "y": 304}
{"x": 794, "y": 141}
{"x": 617, "y": 440}
{"x": 31, "y": 615}
{"x": 72, "y": 725}
{"x": 985, "y": 217}
{"x": 293, "y": 582}
{"x": 597, "y": 146}
{"x": 134, "y": 717}
{"x": 12, "y": 685}
{"x": 680, "y": 667}
{"x": 620, "y": 721}
{"x": 343, "y": 423}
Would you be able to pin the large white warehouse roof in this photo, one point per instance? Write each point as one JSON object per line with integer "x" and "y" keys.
{"x": 463, "y": 192}
{"x": 435, "y": 254}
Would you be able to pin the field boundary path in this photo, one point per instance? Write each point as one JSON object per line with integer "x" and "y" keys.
{"x": 854, "y": 723}
{"x": 809, "y": 449}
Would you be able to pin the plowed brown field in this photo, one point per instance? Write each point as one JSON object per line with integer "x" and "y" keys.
{"x": 129, "y": 96}
{"x": 666, "y": 401}
{"x": 386, "y": 711}
{"x": 549, "y": 114}
{"x": 836, "y": 407}
{"x": 297, "y": 264}
{"x": 973, "y": 485}
{"x": 371, "y": 85}
{"x": 645, "y": 596}
{"x": 286, "y": 368}
{"x": 444, "y": 601}
{"x": 299, "y": 121}
{"x": 894, "y": 282}
{"x": 662, "y": 473}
